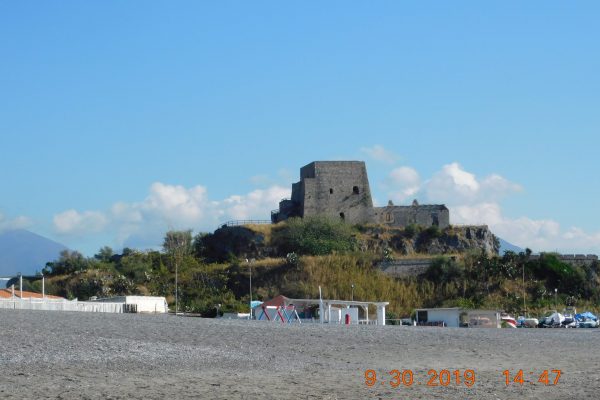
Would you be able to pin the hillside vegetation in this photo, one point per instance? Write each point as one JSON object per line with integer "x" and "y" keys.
{"x": 296, "y": 257}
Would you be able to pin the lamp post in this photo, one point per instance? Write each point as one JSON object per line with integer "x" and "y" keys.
{"x": 250, "y": 269}
{"x": 176, "y": 291}
{"x": 352, "y": 292}
{"x": 556, "y": 299}
{"x": 175, "y": 244}
{"x": 524, "y": 292}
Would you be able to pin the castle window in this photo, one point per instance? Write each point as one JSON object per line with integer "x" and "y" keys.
{"x": 355, "y": 190}
{"x": 388, "y": 217}
{"x": 342, "y": 216}
{"x": 330, "y": 191}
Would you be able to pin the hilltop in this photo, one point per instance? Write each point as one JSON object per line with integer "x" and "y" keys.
{"x": 259, "y": 241}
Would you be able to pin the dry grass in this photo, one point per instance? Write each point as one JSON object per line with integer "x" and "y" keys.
{"x": 268, "y": 263}
{"x": 336, "y": 274}
{"x": 264, "y": 229}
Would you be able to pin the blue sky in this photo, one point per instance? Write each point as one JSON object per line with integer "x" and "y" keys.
{"x": 120, "y": 120}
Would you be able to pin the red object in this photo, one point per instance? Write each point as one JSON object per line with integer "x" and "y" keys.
{"x": 347, "y": 319}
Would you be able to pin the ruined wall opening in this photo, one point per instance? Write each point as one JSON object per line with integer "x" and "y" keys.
{"x": 355, "y": 190}
{"x": 342, "y": 216}
{"x": 330, "y": 191}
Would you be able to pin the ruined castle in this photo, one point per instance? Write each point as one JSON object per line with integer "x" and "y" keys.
{"x": 340, "y": 189}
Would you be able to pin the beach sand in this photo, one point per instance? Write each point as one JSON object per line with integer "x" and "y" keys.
{"x": 68, "y": 355}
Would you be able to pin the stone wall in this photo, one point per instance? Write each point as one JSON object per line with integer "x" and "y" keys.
{"x": 573, "y": 259}
{"x": 423, "y": 215}
{"x": 405, "y": 268}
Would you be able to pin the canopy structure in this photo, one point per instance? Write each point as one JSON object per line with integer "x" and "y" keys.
{"x": 330, "y": 311}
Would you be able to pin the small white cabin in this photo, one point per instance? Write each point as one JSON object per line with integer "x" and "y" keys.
{"x": 456, "y": 317}
{"x": 141, "y": 304}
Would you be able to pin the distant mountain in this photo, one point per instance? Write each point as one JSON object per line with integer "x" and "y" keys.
{"x": 506, "y": 246}
{"x": 26, "y": 252}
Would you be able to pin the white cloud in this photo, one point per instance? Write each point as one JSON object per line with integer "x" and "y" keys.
{"x": 169, "y": 207}
{"x": 254, "y": 204}
{"x": 456, "y": 186}
{"x": 496, "y": 187}
{"x": 20, "y": 222}
{"x": 452, "y": 182}
{"x": 379, "y": 153}
{"x": 477, "y": 201}
{"x": 473, "y": 201}
{"x": 451, "y": 185}
{"x": 539, "y": 235}
{"x": 176, "y": 204}
{"x": 405, "y": 183}
{"x": 72, "y": 222}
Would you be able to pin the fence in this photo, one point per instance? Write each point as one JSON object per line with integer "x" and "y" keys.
{"x": 240, "y": 222}
{"x": 66, "y": 305}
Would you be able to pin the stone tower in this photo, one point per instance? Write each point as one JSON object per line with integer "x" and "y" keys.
{"x": 340, "y": 189}
{"x": 337, "y": 189}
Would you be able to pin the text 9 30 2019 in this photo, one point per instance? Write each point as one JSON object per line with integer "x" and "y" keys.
{"x": 406, "y": 377}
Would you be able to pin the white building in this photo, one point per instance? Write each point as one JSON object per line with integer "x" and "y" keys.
{"x": 139, "y": 304}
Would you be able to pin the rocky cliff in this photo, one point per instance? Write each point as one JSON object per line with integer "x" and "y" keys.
{"x": 254, "y": 241}
{"x": 430, "y": 241}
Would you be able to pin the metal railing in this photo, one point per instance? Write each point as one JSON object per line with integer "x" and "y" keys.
{"x": 240, "y": 222}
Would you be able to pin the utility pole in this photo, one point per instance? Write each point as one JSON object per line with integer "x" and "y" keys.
{"x": 524, "y": 292}
{"x": 176, "y": 291}
{"x": 176, "y": 245}
{"x": 249, "y": 262}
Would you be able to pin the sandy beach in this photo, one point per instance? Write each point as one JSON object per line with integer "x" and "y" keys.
{"x": 67, "y": 355}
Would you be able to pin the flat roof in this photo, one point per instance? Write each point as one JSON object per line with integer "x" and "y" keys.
{"x": 342, "y": 302}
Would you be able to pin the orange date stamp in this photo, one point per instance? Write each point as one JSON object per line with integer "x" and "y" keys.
{"x": 447, "y": 377}
{"x": 406, "y": 377}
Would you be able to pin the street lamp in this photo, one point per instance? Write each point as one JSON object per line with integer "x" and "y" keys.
{"x": 353, "y": 292}
{"x": 176, "y": 293}
{"x": 524, "y": 292}
{"x": 556, "y": 299}
{"x": 250, "y": 268}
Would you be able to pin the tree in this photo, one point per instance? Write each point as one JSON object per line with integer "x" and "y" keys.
{"x": 104, "y": 254}
{"x": 199, "y": 245}
{"x": 178, "y": 242}
{"x": 68, "y": 263}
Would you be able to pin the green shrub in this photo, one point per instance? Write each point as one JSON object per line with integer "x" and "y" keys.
{"x": 410, "y": 231}
{"x": 314, "y": 236}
